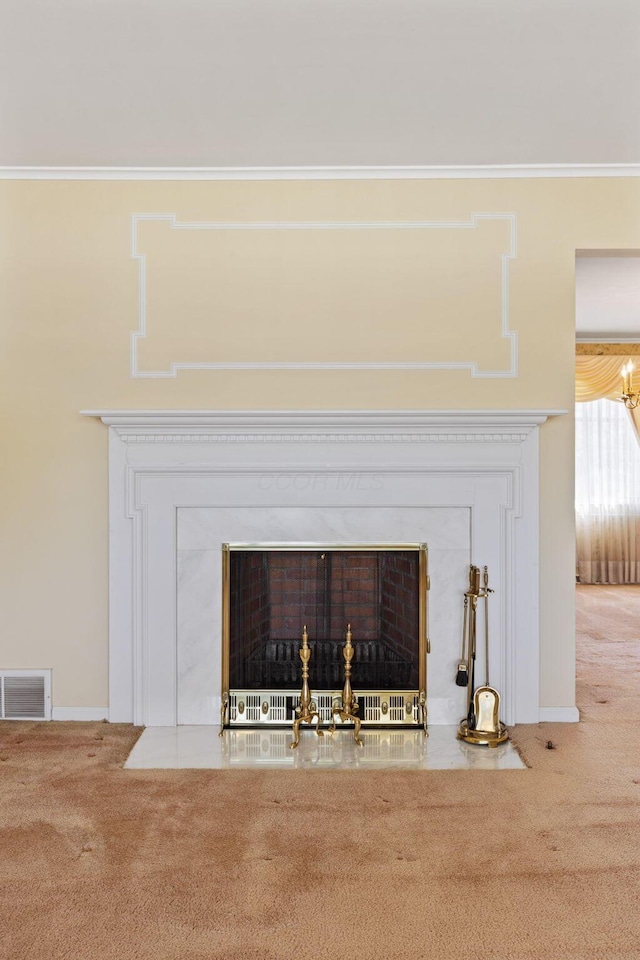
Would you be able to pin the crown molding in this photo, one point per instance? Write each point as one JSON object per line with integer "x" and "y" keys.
{"x": 507, "y": 171}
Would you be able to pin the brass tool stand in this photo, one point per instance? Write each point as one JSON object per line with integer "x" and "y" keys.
{"x": 483, "y": 738}
{"x": 305, "y": 711}
{"x": 348, "y": 709}
{"x": 482, "y": 725}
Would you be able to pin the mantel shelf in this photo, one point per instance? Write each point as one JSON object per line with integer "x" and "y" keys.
{"x": 324, "y": 419}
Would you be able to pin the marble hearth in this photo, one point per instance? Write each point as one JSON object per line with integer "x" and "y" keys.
{"x": 182, "y": 483}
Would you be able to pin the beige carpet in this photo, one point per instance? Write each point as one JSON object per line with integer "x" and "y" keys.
{"x": 544, "y": 863}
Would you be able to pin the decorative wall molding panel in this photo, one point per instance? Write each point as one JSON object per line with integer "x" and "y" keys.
{"x": 505, "y": 171}
{"x": 297, "y": 335}
{"x": 488, "y": 467}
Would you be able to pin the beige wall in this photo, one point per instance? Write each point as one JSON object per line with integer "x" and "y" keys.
{"x": 69, "y": 292}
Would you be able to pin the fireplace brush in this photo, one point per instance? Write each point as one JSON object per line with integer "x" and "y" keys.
{"x": 462, "y": 674}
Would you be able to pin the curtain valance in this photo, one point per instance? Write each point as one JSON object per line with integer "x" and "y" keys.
{"x": 598, "y": 377}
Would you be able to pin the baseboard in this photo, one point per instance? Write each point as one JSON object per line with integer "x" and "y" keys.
{"x": 558, "y": 715}
{"x": 80, "y": 713}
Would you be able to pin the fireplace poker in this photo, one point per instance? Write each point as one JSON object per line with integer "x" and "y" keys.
{"x": 473, "y": 594}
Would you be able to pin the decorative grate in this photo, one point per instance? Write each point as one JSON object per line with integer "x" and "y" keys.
{"x": 269, "y": 707}
{"x": 278, "y": 708}
{"x": 372, "y": 709}
{"x": 396, "y": 708}
{"x": 376, "y": 665}
{"x": 252, "y": 707}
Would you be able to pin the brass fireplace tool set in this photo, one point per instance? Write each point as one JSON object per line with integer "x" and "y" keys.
{"x": 482, "y": 724}
{"x": 346, "y": 708}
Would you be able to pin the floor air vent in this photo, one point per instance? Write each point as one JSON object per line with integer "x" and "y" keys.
{"x": 25, "y": 694}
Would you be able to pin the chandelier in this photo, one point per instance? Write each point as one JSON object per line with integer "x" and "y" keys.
{"x": 629, "y": 398}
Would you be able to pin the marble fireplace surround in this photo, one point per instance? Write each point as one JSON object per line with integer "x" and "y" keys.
{"x": 183, "y": 482}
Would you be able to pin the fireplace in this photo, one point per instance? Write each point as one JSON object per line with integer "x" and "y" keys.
{"x": 272, "y": 591}
{"x": 183, "y": 483}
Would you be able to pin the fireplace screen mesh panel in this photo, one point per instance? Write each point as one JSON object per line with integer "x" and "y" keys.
{"x": 273, "y": 594}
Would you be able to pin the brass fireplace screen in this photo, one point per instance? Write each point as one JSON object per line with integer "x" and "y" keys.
{"x": 272, "y": 591}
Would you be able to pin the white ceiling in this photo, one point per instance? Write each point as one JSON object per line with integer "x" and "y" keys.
{"x": 319, "y": 82}
{"x": 608, "y": 297}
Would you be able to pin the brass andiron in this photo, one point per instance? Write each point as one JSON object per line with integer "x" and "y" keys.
{"x": 348, "y": 709}
{"x": 224, "y": 710}
{"x": 305, "y": 711}
{"x": 422, "y": 703}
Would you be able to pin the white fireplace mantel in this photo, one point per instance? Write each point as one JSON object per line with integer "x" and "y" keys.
{"x": 274, "y": 465}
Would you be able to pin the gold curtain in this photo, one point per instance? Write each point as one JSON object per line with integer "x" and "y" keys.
{"x": 607, "y": 546}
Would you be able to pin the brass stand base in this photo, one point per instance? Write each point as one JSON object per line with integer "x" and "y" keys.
{"x": 346, "y": 716}
{"x": 305, "y": 718}
{"x": 482, "y": 738}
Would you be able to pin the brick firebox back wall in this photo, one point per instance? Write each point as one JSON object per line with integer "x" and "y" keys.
{"x": 275, "y": 593}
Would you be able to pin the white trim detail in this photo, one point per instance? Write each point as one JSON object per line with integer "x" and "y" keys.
{"x": 319, "y": 438}
{"x": 489, "y": 465}
{"x": 142, "y": 331}
{"x": 80, "y": 713}
{"x": 559, "y": 715}
{"x": 488, "y": 171}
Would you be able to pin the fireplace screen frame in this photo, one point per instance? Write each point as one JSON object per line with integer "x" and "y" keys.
{"x": 413, "y": 711}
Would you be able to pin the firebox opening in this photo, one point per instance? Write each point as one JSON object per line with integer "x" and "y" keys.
{"x": 272, "y": 591}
